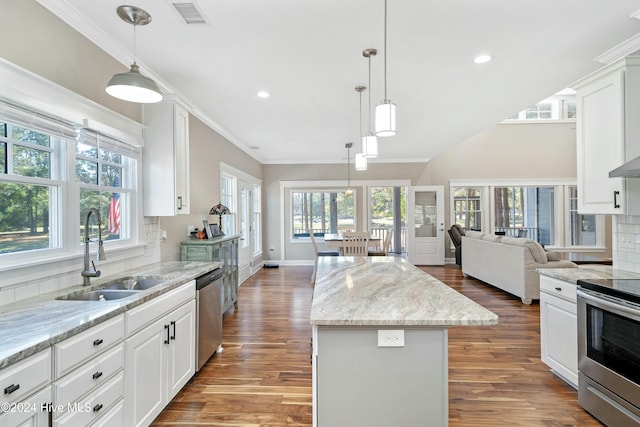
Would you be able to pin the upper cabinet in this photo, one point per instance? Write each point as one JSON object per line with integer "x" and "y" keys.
{"x": 608, "y": 135}
{"x": 166, "y": 159}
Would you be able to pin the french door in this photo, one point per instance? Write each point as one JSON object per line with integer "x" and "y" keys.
{"x": 425, "y": 225}
{"x": 245, "y": 246}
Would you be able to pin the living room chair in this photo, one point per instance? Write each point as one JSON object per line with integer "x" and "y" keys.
{"x": 455, "y": 233}
{"x": 355, "y": 243}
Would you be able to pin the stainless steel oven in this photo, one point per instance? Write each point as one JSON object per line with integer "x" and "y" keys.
{"x": 609, "y": 350}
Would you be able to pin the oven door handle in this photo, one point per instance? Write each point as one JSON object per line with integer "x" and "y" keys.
{"x": 617, "y": 306}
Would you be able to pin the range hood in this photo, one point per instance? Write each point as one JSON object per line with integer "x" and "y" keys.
{"x": 629, "y": 169}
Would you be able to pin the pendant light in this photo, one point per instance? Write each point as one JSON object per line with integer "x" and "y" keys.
{"x": 369, "y": 141}
{"x": 349, "y": 191}
{"x": 360, "y": 159}
{"x": 133, "y": 86}
{"x": 386, "y": 111}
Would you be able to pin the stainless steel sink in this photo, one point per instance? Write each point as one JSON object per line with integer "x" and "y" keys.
{"x": 134, "y": 283}
{"x": 99, "y": 295}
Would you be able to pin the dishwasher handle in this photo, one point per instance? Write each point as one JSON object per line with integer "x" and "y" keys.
{"x": 209, "y": 278}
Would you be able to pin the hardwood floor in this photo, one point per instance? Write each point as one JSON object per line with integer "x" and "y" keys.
{"x": 263, "y": 376}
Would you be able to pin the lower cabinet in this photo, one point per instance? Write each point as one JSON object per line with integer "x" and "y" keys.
{"x": 559, "y": 328}
{"x": 30, "y": 411}
{"x": 160, "y": 358}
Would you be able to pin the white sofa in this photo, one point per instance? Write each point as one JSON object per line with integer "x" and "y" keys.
{"x": 508, "y": 263}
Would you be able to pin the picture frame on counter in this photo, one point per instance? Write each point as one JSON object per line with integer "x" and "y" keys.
{"x": 207, "y": 229}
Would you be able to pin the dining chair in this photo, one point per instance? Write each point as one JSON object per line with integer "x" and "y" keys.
{"x": 355, "y": 243}
{"x": 386, "y": 245}
{"x": 316, "y": 254}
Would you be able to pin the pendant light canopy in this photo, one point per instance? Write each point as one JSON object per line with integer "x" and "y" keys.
{"x": 386, "y": 111}
{"x": 349, "y": 191}
{"x": 369, "y": 141}
{"x": 133, "y": 86}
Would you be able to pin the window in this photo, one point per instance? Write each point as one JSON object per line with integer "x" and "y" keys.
{"x": 525, "y": 212}
{"x": 387, "y": 214}
{"x": 561, "y": 106}
{"x": 322, "y": 211}
{"x": 104, "y": 173}
{"x": 228, "y": 195}
{"x": 467, "y": 209}
{"x": 40, "y": 194}
{"x": 256, "y": 227}
{"x": 546, "y": 213}
{"x": 583, "y": 229}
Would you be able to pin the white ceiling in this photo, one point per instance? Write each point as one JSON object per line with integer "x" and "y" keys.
{"x": 308, "y": 55}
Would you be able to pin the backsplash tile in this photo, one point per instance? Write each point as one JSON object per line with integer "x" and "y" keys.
{"x": 625, "y": 240}
{"x": 45, "y": 281}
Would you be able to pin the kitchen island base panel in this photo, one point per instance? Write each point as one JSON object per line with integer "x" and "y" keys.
{"x": 362, "y": 384}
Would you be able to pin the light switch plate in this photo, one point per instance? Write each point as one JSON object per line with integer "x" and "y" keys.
{"x": 390, "y": 337}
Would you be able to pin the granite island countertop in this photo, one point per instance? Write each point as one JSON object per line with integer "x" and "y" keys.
{"x": 369, "y": 291}
{"x": 587, "y": 271}
{"x": 35, "y": 324}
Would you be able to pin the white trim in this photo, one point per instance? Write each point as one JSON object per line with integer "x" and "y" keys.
{"x": 230, "y": 170}
{"x": 24, "y": 87}
{"x": 511, "y": 182}
{"x": 627, "y": 47}
{"x": 328, "y": 162}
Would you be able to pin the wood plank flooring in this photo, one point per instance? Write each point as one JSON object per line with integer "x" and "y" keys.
{"x": 263, "y": 376}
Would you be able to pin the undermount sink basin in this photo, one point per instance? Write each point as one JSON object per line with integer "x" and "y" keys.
{"x": 99, "y": 295}
{"x": 133, "y": 283}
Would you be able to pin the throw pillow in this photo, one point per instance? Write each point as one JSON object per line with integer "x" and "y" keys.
{"x": 537, "y": 252}
{"x": 492, "y": 238}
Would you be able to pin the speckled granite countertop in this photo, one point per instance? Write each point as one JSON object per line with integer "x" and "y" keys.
{"x": 587, "y": 271}
{"x": 362, "y": 291}
{"x": 42, "y": 321}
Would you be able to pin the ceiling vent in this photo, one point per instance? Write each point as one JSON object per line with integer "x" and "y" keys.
{"x": 189, "y": 12}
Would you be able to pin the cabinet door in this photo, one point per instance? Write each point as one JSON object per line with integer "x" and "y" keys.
{"x": 181, "y": 147}
{"x": 145, "y": 373}
{"x": 182, "y": 357}
{"x": 559, "y": 336}
{"x": 600, "y": 145}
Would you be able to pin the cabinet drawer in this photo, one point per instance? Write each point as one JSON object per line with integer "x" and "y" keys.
{"x": 73, "y": 351}
{"x": 25, "y": 377}
{"x": 150, "y": 311}
{"x": 31, "y": 413}
{"x": 197, "y": 253}
{"x": 91, "y": 375}
{"x": 91, "y": 407}
{"x": 115, "y": 417}
{"x": 559, "y": 288}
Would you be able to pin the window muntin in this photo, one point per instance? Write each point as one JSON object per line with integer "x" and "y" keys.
{"x": 228, "y": 196}
{"x": 558, "y": 107}
{"x": 321, "y": 211}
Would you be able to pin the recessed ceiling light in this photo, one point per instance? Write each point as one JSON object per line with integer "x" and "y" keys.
{"x": 263, "y": 94}
{"x": 481, "y": 59}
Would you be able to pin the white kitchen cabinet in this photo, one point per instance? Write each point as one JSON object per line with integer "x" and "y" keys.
{"x": 160, "y": 357}
{"x": 608, "y": 135}
{"x": 559, "y": 328}
{"x": 165, "y": 159}
{"x": 88, "y": 373}
{"x": 27, "y": 391}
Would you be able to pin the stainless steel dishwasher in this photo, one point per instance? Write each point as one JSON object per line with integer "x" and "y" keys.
{"x": 209, "y": 314}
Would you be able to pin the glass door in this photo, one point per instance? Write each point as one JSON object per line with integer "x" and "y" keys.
{"x": 425, "y": 225}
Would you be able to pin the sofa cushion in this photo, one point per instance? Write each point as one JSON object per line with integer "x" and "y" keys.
{"x": 553, "y": 256}
{"x": 492, "y": 238}
{"x": 474, "y": 234}
{"x": 536, "y": 250}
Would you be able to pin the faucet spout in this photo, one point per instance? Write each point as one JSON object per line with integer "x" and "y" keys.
{"x": 87, "y": 272}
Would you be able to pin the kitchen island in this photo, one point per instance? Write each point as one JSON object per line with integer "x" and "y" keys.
{"x": 380, "y": 334}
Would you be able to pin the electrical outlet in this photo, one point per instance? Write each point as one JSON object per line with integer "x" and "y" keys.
{"x": 391, "y": 338}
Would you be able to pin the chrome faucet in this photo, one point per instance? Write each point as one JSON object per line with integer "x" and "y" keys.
{"x": 87, "y": 273}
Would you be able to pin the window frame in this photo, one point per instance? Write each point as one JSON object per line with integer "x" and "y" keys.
{"x": 560, "y": 215}
{"x": 42, "y": 97}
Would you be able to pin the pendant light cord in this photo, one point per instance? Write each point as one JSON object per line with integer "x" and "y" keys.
{"x": 385, "y": 50}
{"x": 369, "y": 112}
{"x": 134, "y": 43}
